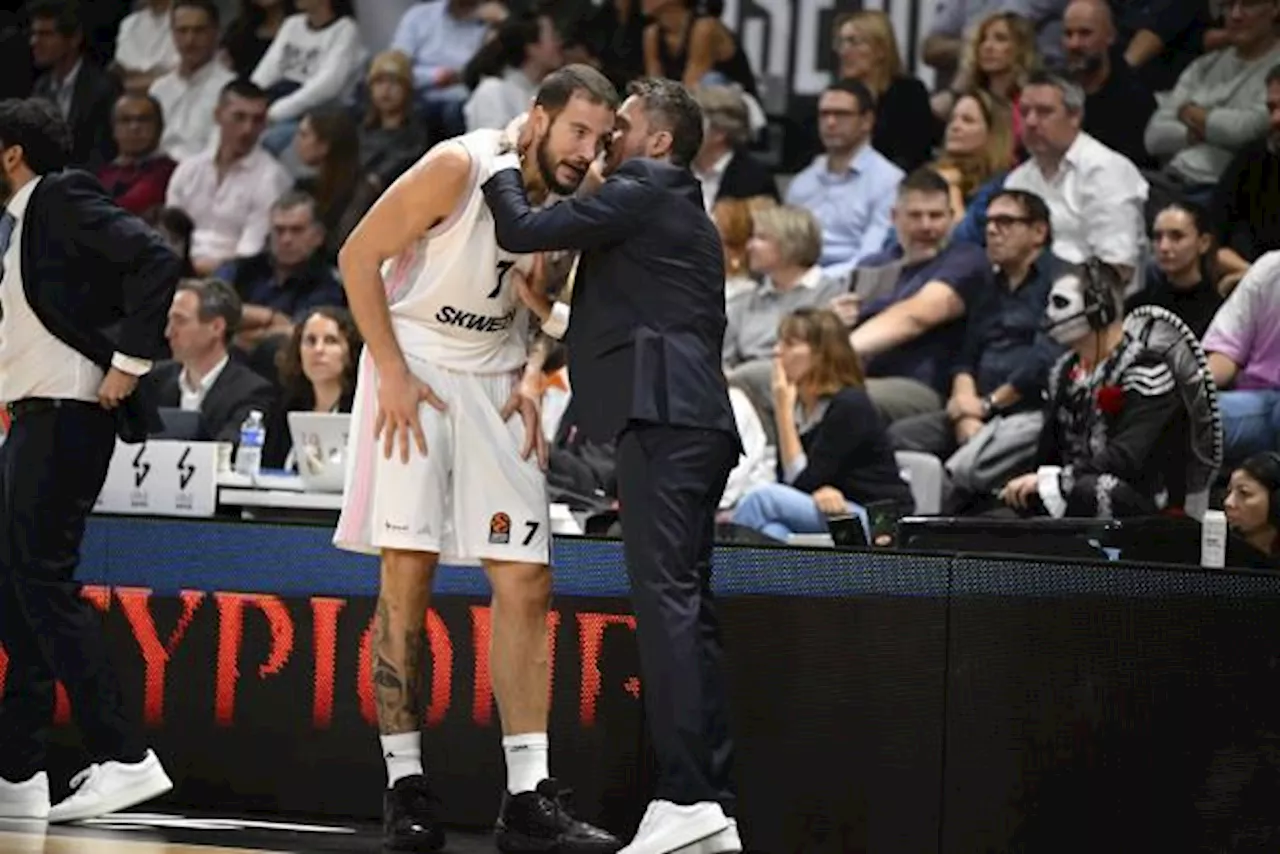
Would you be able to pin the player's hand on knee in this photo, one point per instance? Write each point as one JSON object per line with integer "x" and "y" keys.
{"x": 400, "y": 394}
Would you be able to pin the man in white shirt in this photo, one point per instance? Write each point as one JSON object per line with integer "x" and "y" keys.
{"x": 144, "y": 46}
{"x": 228, "y": 190}
{"x": 189, "y": 94}
{"x": 1095, "y": 195}
{"x": 203, "y": 378}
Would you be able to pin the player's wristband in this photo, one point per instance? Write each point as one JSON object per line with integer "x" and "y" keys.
{"x": 558, "y": 323}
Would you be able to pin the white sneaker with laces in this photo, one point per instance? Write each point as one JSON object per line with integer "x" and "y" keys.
{"x": 28, "y": 799}
{"x": 668, "y": 828}
{"x": 726, "y": 841}
{"x": 111, "y": 787}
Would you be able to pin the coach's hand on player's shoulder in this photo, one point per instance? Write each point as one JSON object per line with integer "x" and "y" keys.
{"x": 400, "y": 394}
{"x": 526, "y": 400}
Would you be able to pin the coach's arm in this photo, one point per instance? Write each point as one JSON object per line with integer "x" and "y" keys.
{"x": 615, "y": 211}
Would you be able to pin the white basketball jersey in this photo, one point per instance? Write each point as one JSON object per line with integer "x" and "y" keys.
{"x": 451, "y": 295}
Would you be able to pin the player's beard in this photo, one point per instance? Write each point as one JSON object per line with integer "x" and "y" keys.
{"x": 547, "y": 169}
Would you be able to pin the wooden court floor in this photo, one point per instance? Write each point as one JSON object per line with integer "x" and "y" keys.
{"x": 170, "y": 833}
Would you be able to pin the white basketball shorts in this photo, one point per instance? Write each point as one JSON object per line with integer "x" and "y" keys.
{"x": 471, "y": 498}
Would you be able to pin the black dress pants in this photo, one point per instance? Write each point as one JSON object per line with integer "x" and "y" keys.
{"x": 670, "y": 480}
{"x": 52, "y": 467}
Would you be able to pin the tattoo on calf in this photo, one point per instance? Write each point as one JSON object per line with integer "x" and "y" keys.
{"x": 396, "y": 690}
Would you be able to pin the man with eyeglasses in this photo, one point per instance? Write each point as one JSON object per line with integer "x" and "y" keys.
{"x": 138, "y": 177}
{"x": 1004, "y": 362}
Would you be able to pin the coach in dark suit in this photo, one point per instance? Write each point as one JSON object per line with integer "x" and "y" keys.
{"x": 645, "y": 331}
{"x": 82, "y": 304}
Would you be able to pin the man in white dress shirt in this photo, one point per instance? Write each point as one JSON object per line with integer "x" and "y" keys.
{"x": 82, "y": 305}
{"x": 189, "y": 93}
{"x": 144, "y": 46}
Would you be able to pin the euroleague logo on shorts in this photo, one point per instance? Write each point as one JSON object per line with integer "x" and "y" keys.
{"x": 500, "y": 529}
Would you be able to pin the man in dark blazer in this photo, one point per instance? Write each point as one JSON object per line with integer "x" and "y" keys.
{"x": 83, "y": 297}
{"x": 646, "y": 327}
{"x": 204, "y": 376}
{"x": 724, "y": 166}
{"x": 82, "y": 90}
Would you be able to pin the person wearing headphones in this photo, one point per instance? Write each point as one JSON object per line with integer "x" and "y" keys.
{"x": 1252, "y": 504}
{"x": 1115, "y": 429}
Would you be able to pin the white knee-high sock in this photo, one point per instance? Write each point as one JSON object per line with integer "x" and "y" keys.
{"x": 526, "y": 761}
{"x": 403, "y": 754}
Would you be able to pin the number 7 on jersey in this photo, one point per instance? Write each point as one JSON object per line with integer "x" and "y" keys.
{"x": 504, "y": 267}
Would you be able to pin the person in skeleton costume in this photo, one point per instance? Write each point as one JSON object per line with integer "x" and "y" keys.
{"x": 1118, "y": 421}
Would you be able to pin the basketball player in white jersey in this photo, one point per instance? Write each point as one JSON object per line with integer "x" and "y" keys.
{"x": 439, "y": 464}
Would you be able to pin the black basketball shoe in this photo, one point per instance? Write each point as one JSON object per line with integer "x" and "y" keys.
{"x": 409, "y": 817}
{"x": 540, "y": 821}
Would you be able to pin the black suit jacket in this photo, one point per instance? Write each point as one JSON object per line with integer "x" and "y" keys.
{"x": 236, "y": 392}
{"x": 647, "y": 321}
{"x": 98, "y": 278}
{"x": 746, "y": 177}
{"x": 92, "y": 101}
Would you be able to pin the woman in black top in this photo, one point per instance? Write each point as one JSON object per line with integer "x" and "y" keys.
{"x": 688, "y": 42}
{"x": 1181, "y": 278}
{"x": 834, "y": 455}
{"x": 251, "y": 33}
{"x": 317, "y": 374}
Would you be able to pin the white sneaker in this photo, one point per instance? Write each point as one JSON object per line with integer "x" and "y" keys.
{"x": 726, "y": 841}
{"x": 26, "y": 800}
{"x": 667, "y": 828}
{"x": 110, "y": 787}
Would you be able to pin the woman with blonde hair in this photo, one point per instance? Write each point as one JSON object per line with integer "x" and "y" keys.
{"x": 834, "y": 455}
{"x": 867, "y": 50}
{"x": 977, "y": 149}
{"x": 997, "y": 58}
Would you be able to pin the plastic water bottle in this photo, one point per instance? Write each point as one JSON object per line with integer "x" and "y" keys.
{"x": 1213, "y": 539}
{"x": 253, "y": 435}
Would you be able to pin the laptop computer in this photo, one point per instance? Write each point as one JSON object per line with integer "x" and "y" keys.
{"x": 319, "y": 448}
{"x": 179, "y": 424}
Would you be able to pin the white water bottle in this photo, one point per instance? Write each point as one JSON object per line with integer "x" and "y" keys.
{"x": 253, "y": 435}
{"x": 1213, "y": 539}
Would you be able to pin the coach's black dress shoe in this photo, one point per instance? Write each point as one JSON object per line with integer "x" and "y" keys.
{"x": 540, "y": 821}
{"x": 409, "y": 817}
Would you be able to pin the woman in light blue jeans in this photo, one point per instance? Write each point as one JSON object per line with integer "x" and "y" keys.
{"x": 834, "y": 454}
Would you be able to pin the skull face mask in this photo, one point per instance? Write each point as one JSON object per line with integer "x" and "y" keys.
{"x": 1066, "y": 319}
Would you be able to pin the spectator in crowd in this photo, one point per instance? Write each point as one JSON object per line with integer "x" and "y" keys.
{"x": 1218, "y": 106}
{"x": 1243, "y": 343}
{"x": 1095, "y": 196}
{"x": 1160, "y": 38}
{"x": 612, "y": 31}
{"x": 176, "y": 228}
{"x": 83, "y": 92}
{"x": 440, "y": 37}
{"x": 504, "y": 75}
{"x": 783, "y": 251}
{"x": 138, "y": 177}
{"x": 1117, "y": 105}
{"x": 733, "y": 219}
{"x": 687, "y": 41}
{"x": 867, "y": 51}
{"x": 724, "y": 167}
{"x": 1003, "y": 366}
{"x": 328, "y": 143}
{"x": 834, "y": 457}
{"x": 907, "y": 332}
{"x": 228, "y": 189}
{"x": 287, "y": 280}
{"x": 1181, "y": 276}
{"x": 317, "y": 374}
{"x": 203, "y": 378}
{"x": 251, "y": 33}
{"x": 189, "y": 94}
{"x": 1115, "y": 431}
{"x": 998, "y": 56}
{"x": 1246, "y": 202}
{"x": 144, "y": 46}
{"x": 313, "y": 61}
{"x": 1251, "y": 505}
{"x": 850, "y": 188}
{"x": 976, "y": 156}
{"x": 392, "y": 137}
{"x": 15, "y": 56}
{"x": 944, "y": 44}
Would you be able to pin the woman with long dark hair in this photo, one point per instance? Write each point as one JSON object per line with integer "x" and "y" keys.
{"x": 251, "y": 32}
{"x": 1181, "y": 277}
{"x": 1249, "y": 506}
{"x": 504, "y": 75}
{"x": 328, "y": 141}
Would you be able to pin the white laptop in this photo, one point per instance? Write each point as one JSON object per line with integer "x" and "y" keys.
{"x": 319, "y": 448}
